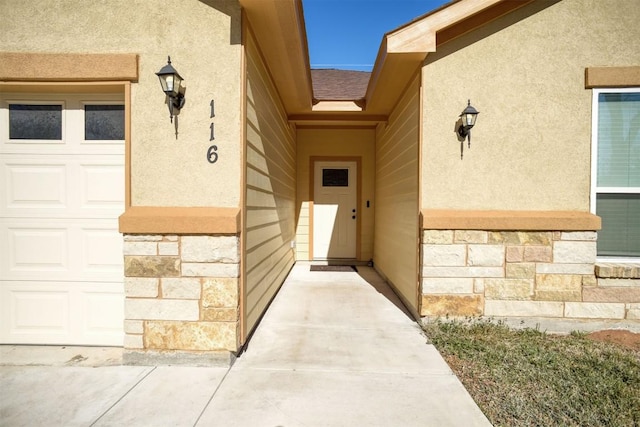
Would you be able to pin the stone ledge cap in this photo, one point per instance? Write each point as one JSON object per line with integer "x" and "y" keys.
{"x": 612, "y": 77}
{"x": 618, "y": 270}
{"x": 179, "y": 220}
{"x": 494, "y": 220}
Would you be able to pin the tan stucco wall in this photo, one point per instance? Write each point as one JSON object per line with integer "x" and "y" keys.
{"x": 203, "y": 39}
{"x": 525, "y": 73}
{"x": 339, "y": 142}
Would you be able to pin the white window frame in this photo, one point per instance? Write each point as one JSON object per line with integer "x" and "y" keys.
{"x": 594, "y": 165}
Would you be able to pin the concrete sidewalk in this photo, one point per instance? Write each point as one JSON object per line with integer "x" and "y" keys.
{"x": 334, "y": 349}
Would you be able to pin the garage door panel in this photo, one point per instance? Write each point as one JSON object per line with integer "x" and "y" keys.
{"x": 37, "y": 251}
{"x": 31, "y": 186}
{"x": 39, "y": 311}
{"x": 102, "y": 187}
{"x": 45, "y": 249}
{"x": 102, "y": 252}
{"x": 104, "y": 312}
{"x": 80, "y": 313}
{"x": 46, "y": 186}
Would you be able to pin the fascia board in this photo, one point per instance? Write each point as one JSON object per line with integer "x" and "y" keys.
{"x": 404, "y": 49}
{"x": 420, "y": 35}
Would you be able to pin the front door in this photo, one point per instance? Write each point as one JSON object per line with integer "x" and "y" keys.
{"x": 335, "y": 209}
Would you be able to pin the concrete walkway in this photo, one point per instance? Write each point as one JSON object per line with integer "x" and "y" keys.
{"x": 334, "y": 349}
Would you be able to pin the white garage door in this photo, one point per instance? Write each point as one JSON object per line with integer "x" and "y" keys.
{"x": 61, "y": 191}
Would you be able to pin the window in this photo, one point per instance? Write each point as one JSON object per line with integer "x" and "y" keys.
{"x": 30, "y": 121}
{"x": 616, "y": 171}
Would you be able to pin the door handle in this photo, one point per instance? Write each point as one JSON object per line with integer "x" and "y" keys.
{"x": 353, "y": 217}
{"x": 353, "y": 210}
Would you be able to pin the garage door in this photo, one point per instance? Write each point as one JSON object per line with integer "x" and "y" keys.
{"x": 61, "y": 191}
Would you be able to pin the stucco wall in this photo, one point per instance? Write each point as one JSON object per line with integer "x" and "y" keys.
{"x": 203, "y": 39}
{"x": 396, "y": 230}
{"x": 314, "y": 142}
{"x": 525, "y": 73}
{"x": 270, "y": 189}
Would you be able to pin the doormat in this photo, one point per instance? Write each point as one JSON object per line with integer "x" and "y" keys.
{"x": 334, "y": 268}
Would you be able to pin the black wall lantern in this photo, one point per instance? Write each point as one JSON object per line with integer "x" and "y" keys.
{"x": 467, "y": 120}
{"x": 170, "y": 81}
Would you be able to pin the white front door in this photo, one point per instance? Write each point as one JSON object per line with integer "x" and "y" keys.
{"x": 335, "y": 213}
{"x": 61, "y": 191}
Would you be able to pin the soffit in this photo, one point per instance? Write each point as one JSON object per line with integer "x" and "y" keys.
{"x": 279, "y": 29}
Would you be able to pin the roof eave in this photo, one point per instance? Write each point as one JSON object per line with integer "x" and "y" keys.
{"x": 287, "y": 56}
{"x": 404, "y": 50}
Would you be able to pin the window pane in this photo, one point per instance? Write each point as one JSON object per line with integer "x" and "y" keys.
{"x": 619, "y": 139}
{"x": 335, "y": 177}
{"x": 35, "y": 121}
{"x": 103, "y": 122}
{"x": 620, "y": 234}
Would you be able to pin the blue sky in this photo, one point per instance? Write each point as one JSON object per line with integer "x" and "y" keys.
{"x": 346, "y": 34}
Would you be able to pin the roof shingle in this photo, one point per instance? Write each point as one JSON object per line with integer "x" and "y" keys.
{"x": 339, "y": 85}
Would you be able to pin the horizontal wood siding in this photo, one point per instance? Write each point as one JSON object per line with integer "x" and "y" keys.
{"x": 397, "y": 211}
{"x": 270, "y": 189}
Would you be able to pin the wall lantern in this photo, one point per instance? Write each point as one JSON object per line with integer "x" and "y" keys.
{"x": 467, "y": 120}
{"x": 170, "y": 81}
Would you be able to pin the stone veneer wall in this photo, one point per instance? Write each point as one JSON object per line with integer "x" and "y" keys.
{"x": 520, "y": 274}
{"x": 181, "y": 298}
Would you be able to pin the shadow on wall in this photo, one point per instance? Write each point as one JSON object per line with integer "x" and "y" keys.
{"x": 233, "y": 10}
{"x": 487, "y": 30}
{"x": 270, "y": 176}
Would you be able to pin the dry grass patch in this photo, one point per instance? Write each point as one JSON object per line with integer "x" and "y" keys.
{"x": 525, "y": 377}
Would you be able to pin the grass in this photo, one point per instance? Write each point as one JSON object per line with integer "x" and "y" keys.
{"x": 530, "y": 378}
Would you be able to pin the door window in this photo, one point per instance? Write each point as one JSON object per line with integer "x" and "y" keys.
{"x": 335, "y": 177}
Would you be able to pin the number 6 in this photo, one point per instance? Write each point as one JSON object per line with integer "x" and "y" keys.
{"x": 212, "y": 155}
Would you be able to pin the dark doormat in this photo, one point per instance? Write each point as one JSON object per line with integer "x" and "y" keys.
{"x": 334, "y": 268}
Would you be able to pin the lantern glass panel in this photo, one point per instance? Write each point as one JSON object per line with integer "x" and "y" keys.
{"x": 170, "y": 81}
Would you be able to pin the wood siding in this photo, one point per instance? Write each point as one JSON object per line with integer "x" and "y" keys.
{"x": 397, "y": 219}
{"x": 270, "y": 189}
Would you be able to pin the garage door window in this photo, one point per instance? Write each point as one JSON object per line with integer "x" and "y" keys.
{"x": 103, "y": 122}
{"x": 40, "y": 122}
